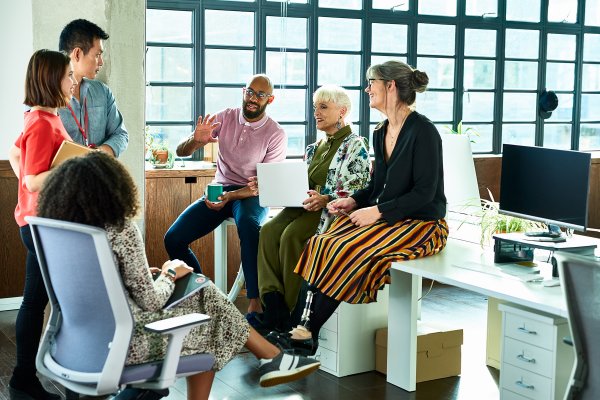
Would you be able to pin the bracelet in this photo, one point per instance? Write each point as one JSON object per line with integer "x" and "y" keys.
{"x": 171, "y": 274}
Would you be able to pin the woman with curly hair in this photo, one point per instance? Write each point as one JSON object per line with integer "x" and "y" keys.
{"x": 399, "y": 216}
{"x": 97, "y": 190}
{"x": 49, "y": 86}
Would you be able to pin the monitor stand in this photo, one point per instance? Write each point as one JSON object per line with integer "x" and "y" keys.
{"x": 553, "y": 234}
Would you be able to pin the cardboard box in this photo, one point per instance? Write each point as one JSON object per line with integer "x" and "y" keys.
{"x": 438, "y": 351}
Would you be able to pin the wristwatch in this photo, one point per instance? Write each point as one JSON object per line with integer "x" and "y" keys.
{"x": 170, "y": 273}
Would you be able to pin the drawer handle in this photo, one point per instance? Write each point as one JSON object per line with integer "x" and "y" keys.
{"x": 523, "y": 358}
{"x": 525, "y": 330}
{"x": 524, "y": 385}
{"x": 322, "y": 338}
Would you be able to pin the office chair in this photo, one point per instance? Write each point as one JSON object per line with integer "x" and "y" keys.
{"x": 580, "y": 280}
{"x": 85, "y": 343}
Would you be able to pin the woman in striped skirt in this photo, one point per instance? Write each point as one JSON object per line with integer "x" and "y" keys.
{"x": 399, "y": 216}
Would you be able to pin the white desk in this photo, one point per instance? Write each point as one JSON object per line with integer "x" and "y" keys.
{"x": 406, "y": 283}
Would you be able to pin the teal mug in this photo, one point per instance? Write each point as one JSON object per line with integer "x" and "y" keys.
{"x": 213, "y": 191}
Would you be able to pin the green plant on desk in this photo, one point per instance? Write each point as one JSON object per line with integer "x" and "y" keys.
{"x": 460, "y": 130}
{"x": 157, "y": 151}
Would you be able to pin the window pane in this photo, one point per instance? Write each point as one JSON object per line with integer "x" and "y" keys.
{"x": 479, "y": 74}
{"x": 375, "y": 116}
{"x": 523, "y": 10}
{"x": 355, "y": 96}
{"x": 435, "y": 39}
{"x": 389, "y": 38}
{"x": 286, "y": 68}
{"x": 164, "y": 64}
{"x": 557, "y": 136}
{"x": 344, "y": 4}
{"x": 168, "y": 26}
{"x": 246, "y": 1}
{"x": 520, "y": 75}
{"x": 438, "y": 7}
{"x": 589, "y": 137}
{"x": 286, "y": 32}
{"x": 291, "y": 1}
{"x": 482, "y": 8}
{"x": 559, "y": 76}
{"x": 591, "y": 47}
{"x": 522, "y": 43}
{"x": 480, "y": 42}
{"x": 168, "y": 103}
{"x": 289, "y": 105}
{"x": 171, "y": 135}
{"x": 518, "y": 134}
{"x": 562, "y": 11}
{"x": 590, "y": 104}
{"x": 340, "y": 69}
{"x": 561, "y": 47}
{"x": 218, "y": 99}
{"x": 592, "y": 12}
{"x": 478, "y": 107}
{"x": 484, "y": 142}
{"x": 437, "y": 106}
{"x": 439, "y": 70}
{"x": 392, "y": 5}
{"x": 381, "y": 59}
{"x": 228, "y": 66}
{"x": 564, "y": 111}
{"x": 591, "y": 77}
{"x": 232, "y": 28}
{"x": 296, "y": 135}
{"x": 331, "y": 38}
{"x": 519, "y": 107}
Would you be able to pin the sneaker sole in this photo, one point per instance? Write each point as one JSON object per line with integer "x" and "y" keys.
{"x": 279, "y": 377}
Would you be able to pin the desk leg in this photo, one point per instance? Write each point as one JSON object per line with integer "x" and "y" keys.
{"x": 402, "y": 330}
{"x": 220, "y": 238}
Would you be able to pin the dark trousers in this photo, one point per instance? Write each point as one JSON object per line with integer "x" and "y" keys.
{"x": 198, "y": 220}
{"x": 31, "y": 314}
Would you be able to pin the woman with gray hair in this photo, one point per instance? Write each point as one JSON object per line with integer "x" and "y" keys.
{"x": 338, "y": 165}
{"x": 399, "y": 216}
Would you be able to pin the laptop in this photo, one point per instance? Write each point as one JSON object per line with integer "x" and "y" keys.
{"x": 282, "y": 184}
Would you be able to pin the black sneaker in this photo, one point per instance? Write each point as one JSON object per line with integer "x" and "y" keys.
{"x": 305, "y": 347}
{"x": 285, "y": 368}
{"x": 34, "y": 392}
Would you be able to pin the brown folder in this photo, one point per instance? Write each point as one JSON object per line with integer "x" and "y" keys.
{"x": 68, "y": 150}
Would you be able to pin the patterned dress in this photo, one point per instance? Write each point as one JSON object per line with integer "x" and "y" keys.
{"x": 223, "y": 336}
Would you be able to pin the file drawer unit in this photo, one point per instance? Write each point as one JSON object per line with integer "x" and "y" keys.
{"x": 536, "y": 364}
{"x": 347, "y": 340}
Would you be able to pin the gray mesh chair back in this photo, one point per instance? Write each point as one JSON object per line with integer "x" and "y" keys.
{"x": 580, "y": 280}
{"x": 87, "y": 337}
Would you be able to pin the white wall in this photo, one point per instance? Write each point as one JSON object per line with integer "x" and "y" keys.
{"x": 16, "y": 46}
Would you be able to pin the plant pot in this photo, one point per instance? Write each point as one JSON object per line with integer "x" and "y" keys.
{"x": 161, "y": 156}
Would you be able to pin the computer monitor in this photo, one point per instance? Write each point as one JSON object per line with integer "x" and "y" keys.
{"x": 545, "y": 185}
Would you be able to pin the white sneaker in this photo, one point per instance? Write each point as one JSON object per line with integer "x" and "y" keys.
{"x": 285, "y": 368}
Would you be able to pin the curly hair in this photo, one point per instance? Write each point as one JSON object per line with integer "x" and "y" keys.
{"x": 94, "y": 190}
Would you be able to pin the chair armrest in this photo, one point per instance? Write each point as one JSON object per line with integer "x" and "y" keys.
{"x": 183, "y": 322}
{"x": 177, "y": 328}
{"x": 568, "y": 340}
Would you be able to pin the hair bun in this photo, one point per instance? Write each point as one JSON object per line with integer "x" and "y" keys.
{"x": 420, "y": 80}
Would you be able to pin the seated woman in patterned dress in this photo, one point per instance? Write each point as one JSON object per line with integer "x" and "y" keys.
{"x": 399, "y": 216}
{"x": 97, "y": 190}
{"x": 338, "y": 164}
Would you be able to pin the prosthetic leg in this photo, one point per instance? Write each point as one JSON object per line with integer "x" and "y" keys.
{"x": 302, "y": 331}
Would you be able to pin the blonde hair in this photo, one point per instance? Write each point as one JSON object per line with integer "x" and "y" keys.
{"x": 335, "y": 94}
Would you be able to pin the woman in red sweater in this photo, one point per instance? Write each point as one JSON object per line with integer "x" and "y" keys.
{"x": 49, "y": 85}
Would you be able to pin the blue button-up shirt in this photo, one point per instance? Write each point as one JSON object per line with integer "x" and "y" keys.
{"x": 105, "y": 121}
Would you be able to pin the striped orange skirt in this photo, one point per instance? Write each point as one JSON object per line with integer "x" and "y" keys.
{"x": 350, "y": 263}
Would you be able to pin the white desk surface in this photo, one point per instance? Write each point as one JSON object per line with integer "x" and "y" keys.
{"x": 442, "y": 268}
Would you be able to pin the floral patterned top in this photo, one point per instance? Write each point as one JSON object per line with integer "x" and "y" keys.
{"x": 349, "y": 170}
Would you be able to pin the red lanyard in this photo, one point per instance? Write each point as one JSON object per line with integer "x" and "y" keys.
{"x": 85, "y": 122}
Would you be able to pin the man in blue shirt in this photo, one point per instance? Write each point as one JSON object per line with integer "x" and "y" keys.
{"x": 92, "y": 117}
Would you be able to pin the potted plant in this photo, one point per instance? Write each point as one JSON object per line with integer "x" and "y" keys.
{"x": 157, "y": 151}
{"x": 460, "y": 131}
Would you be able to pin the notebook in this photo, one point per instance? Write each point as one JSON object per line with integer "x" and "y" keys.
{"x": 185, "y": 287}
{"x": 68, "y": 150}
{"x": 282, "y": 184}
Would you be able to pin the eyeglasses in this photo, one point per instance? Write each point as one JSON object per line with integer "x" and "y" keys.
{"x": 370, "y": 82}
{"x": 249, "y": 93}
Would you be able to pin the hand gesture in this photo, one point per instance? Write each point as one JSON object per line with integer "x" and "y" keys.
{"x": 365, "y": 216}
{"x": 315, "y": 201}
{"x": 253, "y": 185}
{"x": 204, "y": 128}
{"x": 341, "y": 206}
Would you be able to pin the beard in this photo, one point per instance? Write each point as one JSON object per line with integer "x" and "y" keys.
{"x": 253, "y": 114}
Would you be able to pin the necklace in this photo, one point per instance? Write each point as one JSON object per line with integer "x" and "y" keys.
{"x": 392, "y": 136}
